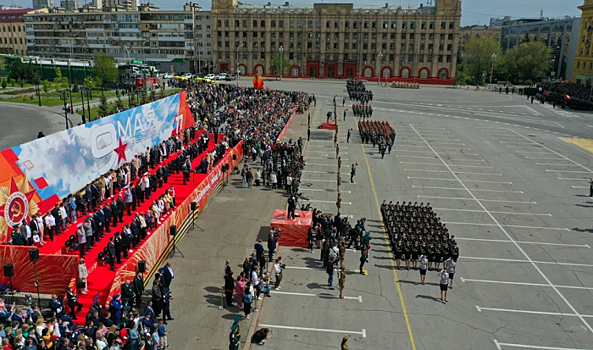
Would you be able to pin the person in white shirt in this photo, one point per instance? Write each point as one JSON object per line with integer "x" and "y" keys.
{"x": 63, "y": 216}
{"x": 50, "y": 223}
{"x": 444, "y": 284}
{"x": 277, "y": 274}
{"x": 423, "y": 267}
{"x": 40, "y": 227}
{"x": 450, "y": 265}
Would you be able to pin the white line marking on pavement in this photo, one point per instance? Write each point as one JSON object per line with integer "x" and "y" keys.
{"x": 522, "y": 242}
{"x": 454, "y": 165}
{"x": 323, "y": 172}
{"x": 493, "y": 212}
{"x": 469, "y": 198}
{"x": 463, "y": 189}
{"x": 567, "y": 178}
{"x": 579, "y": 186}
{"x": 428, "y": 171}
{"x": 324, "y": 158}
{"x": 437, "y": 179}
{"x": 326, "y": 296}
{"x": 362, "y": 333}
{"x": 569, "y": 171}
{"x": 523, "y": 284}
{"x": 322, "y": 190}
{"x": 315, "y": 180}
{"x": 546, "y": 158}
{"x": 401, "y": 151}
{"x": 552, "y": 164}
{"x": 500, "y": 345}
{"x": 317, "y": 164}
{"x": 416, "y": 157}
{"x": 518, "y": 246}
{"x": 514, "y": 226}
{"x": 533, "y": 262}
{"x": 556, "y": 153}
{"x": 481, "y": 308}
{"x": 320, "y": 201}
{"x": 468, "y": 173}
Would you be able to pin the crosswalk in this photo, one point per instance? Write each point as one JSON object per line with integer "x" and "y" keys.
{"x": 561, "y": 111}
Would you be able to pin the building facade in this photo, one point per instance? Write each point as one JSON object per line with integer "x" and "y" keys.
{"x": 582, "y": 72}
{"x": 337, "y": 40}
{"x": 164, "y": 39}
{"x": 40, "y": 4}
{"x": 558, "y": 34}
{"x": 70, "y": 5}
{"x": 12, "y": 31}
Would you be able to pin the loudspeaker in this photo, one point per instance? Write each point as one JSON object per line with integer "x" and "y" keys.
{"x": 234, "y": 157}
{"x": 33, "y": 254}
{"x": 142, "y": 266}
{"x": 173, "y": 229}
{"x": 8, "y": 270}
{"x": 194, "y": 205}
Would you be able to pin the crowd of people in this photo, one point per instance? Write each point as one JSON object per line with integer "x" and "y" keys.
{"x": 358, "y": 92}
{"x": 563, "y": 94}
{"x": 379, "y": 133}
{"x": 419, "y": 238}
{"x": 362, "y": 111}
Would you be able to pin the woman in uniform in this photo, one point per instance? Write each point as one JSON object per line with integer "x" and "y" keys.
{"x": 415, "y": 251}
{"x": 408, "y": 253}
{"x": 398, "y": 253}
{"x": 430, "y": 253}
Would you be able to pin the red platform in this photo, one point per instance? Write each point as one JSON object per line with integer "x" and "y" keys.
{"x": 328, "y": 125}
{"x": 294, "y": 232}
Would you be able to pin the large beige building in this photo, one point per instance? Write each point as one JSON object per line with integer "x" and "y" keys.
{"x": 12, "y": 30}
{"x": 582, "y": 68}
{"x": 336, "y": 40}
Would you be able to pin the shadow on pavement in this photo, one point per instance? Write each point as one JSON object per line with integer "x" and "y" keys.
{"x": 429, "y": 297}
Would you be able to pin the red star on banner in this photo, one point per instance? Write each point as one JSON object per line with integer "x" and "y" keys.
{"x": 15, "y": 188}
{"x": 121, "y": 151}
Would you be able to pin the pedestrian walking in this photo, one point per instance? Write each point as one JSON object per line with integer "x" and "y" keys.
{"x": 444, "y": 284}
{"x": 344, "y": 346}
{"x": 352, "y": 173}
{"x": 308, "y": 133}
{"x": 423, "y": 267}
{"x": 348, "y": 135}
{"x": 330, "y": 274}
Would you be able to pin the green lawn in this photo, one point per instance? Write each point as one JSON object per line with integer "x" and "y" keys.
{"x": 52, "y": 99}
{"x": 124, "y": 99}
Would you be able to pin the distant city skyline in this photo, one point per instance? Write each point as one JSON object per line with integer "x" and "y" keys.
{"x": 474, "y": 11}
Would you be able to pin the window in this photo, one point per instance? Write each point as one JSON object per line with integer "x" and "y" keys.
{"x": 365, "y": 46}
{"x": 423, "y": 26}
{"x": 450, "y": 47}
{"x": 299, "y": 24}
{"x": 310, "y": 24}
{"x": 374, "y": 25}
{"x": 219, "y": 23}
{"x": 272, "y": 24}
{"x": 262, "y": 24}
{"x": 254, "y": 24}
{"x": 237, "y": 23}
{"x": 346, "y": 46}
{"x": 291, "y": 23}
{"x": 263, "y": 55}
{"x": 226, "y": 23}
{"x": 244, "y": 23}
{"x": 448, "y": 58}
{"x": 430, "y": 36}
{"x": 421, "y": 59}
{"x": 451, "y": 25}
{"x": 404, "y": 36}
{"x": 442, "y": 37}
{"x": 355, "y": 24}
{"x": 281, "y": 24}
{"x": 347, "y": 24}
{"x": 393, "y": 25}
{"x": 443, "y": 25}
{"x": 384, "y": 36}
{"x": 391, "y": 57}
{"x": 328, "y": 24}
{"x": 429, "y": 59}
{"x": 392, "y": 36}
{"x": 450, "y": 37}
{"x": 366, "y": 24}
{"x": 336, "y": 24}
{"x": 423, "y": 73}
{"x": 405, "y": 25}
{"x": 412, "y": 25}
{"x": 318, "y": 24}
{"x": 385, "y": 25}
{"x": 440, "y": 58}
{"x": 431, "y": 26}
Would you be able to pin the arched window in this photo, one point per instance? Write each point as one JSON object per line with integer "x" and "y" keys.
{"x": 443, "y": 74}
{"x": 412, "y": 25}
{"x": 254, "y": 24}
{"x": 404, "y": 25}
{"x": 431, "y": 26}
{"x": 368, "y": 72}
{"x": 218, "y": 23}
{"x": 423, "y": 25}
{"x": 405, "y": 73}
{"x": 281, "y": 23}
{"x": 262, "y": 24}
{"x": 273, "y": 24}
{"x": 244, "y": 23}
{"x": 424, "y": 74}
{"x": 237, "y": 23}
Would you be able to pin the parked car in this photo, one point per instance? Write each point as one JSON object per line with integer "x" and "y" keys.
{"x": 168, "y": 75}
{"x": 210, "y": 76}
{"x": 233, "y": 76}
{"x": 223, "y": 76}
{"x": 187, "y": 75}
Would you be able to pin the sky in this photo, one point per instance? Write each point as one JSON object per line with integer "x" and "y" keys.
{"x": 474, "y": 11}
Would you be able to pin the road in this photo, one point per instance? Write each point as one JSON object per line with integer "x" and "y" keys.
{"x": 514, "y": 194}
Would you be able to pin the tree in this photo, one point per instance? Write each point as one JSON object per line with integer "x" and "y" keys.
{"x": 103, "y": 107}
{"x": 461, "y": 75}
{"x": 105, "y": 69}
{"x": 119, "y": 103}
{"x": 47, "y": 86}
{"x": 528, "y": 61}
{"x": 479, "y": 56}
{"x": 4, "y": 84}
{"x": 20, "y": 71}
{"x": 2, "y": 63}
{"x": 280, "y": 62}
{"x": 60, "y": 82}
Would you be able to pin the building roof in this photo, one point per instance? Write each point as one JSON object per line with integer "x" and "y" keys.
{"x": 8, "y": 16}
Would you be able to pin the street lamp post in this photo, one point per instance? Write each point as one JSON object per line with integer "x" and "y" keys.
{"x": 492, "y": 69}
{"x": 64, "y": 97}
{"x": 281, "y": 61}
{"x": 238, "y": 73}
{"x": 83, "y": 109}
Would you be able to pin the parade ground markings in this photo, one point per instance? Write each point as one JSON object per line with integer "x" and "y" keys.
{"x": 586, "y": 144}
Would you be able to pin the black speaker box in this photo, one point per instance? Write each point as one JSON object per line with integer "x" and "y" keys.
{"x": 173, "y": 230}
{"x": 33, "y": 254}
{"x": 194, "y": 205}
{"x": 142, "y": 266}
{"x": 8, "y": 270}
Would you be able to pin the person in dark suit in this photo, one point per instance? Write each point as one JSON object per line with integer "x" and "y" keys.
{"x": 115, "y": 212}
{"x": 55, "y": 212}
{"x": 127, "y": 293}
{"x": 56, "y": 305}
{"x": 17, "y": 238}
{"x": 111, "y": 249}
{"x": 120, "y": 209}
{"x": 168, "y": 275}
{"x": 138, "y": 288}
{"x": 73, "y": 303}
{"x": 108, "y": 214}
{"x": 100, "y": 216}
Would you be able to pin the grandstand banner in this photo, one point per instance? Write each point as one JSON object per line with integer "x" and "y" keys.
{"x": 36, "y": 175}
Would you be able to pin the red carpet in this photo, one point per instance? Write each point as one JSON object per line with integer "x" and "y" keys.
{"x": 101, "y": 277}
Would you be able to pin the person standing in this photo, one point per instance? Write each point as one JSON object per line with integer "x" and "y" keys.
{"x": 348, "y": 135}
{"x": 247, "y": 299}
{"x": 291, "y": 208}
{"x": 234, "y": 337}
{"x": 229, "y": 287}
{"x": 81, "y": 240}
{"x": 591, "y": 188}
{"x": 364, "y": 256}
{"x": 423, "y": 267}
{"x": 330, "y": 274}
{"x": 83, "y": 275}
{"x": 444, "y": 284}
{"x": 308, "y": 133}
{"x": 450, "y": 265}
{"x": 352, "y": 173}
{"x": 344, "y": 345}
{"x": 138, "y": 288}
{"x": 272, "y": 243}
{"x": 240, "y": 288}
